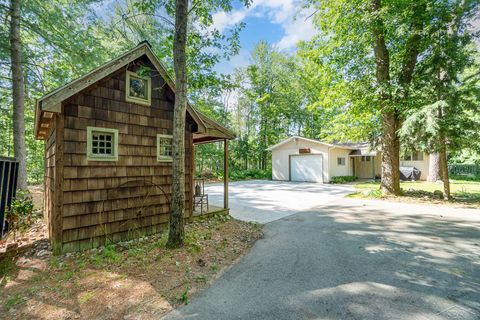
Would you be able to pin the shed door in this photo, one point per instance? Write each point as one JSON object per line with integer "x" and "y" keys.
{"x": 308, "y": 168}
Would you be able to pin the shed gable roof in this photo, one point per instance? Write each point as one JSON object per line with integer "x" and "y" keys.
{"x": 51, "y": 102}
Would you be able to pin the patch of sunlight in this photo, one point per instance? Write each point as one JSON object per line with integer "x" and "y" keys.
{"x": 375, "y": 248}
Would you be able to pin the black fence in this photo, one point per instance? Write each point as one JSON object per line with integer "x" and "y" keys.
{"x": 464, "y": 169}
{"x": 8, "y": 188}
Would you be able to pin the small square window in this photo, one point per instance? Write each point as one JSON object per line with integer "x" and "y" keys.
{"x": 138, "y": 89}
{"x": 102, "y": 144}
{"x": 164, "y": 148}
{"x": 340, "y": 161}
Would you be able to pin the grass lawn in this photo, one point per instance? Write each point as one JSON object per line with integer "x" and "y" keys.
{"x": 463, "y": 191}
{"x": 133, "y": 280}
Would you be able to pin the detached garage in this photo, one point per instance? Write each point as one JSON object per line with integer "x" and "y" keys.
{"x": 309, "y": 160}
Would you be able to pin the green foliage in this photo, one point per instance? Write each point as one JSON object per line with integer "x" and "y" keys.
{"x": 342, "y": 179}
{"x": 184, "y": 297}
{"x": 13, "y": 301}
{"x": 7, "y": 267}
{"x": 464, "y": 177}
{"x": 20, "y": 216}
{"x": 251, "y": 174}
{"x": 63, "y": 40}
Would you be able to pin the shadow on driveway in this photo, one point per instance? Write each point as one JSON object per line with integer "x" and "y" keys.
{"x": 354, "y": 260}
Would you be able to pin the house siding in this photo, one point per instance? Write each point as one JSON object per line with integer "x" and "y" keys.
{"x": 281, "y": 158}
{"x": 49, "y": 180}
{"x": 338, "y": 170}
{"x": 111, "y": 201}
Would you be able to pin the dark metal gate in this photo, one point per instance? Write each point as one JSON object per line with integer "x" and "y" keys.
{"x": 8, "y": 188}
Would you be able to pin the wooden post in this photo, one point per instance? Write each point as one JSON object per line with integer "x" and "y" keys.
{"x": 225, "y": 174}
{"x": 373, "y": 167}
{"x": 192, "y": 181}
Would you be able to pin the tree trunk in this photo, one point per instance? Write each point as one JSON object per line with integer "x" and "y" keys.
{"x": 390, "y": 183}
{"x": 444, "y": 166}
{"x": 176, "y": 233}
{"x": 443, "y": 160}
{"x": 434, "y": 167}
{"x": 18, "y": 94}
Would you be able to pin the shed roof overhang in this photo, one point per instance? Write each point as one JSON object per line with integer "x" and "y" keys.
{"x": 213, "y": 131}
{"x": 208, "y": 130}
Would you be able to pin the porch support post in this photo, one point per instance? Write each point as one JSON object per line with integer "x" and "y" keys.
{"x": 373, "y": 167}
{"x": 225, "y": 174}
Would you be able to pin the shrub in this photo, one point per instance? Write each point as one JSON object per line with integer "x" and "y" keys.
{"x": 20, "y": 216}
{"x": 342, "y": 179}
{"x": 464, "y": 177}
{"x": 250, "y": 174}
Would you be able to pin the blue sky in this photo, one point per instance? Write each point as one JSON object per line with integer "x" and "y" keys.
{"x": 282, "y": 23}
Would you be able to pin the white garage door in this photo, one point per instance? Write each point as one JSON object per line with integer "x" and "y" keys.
{"x": 307, "y": 168}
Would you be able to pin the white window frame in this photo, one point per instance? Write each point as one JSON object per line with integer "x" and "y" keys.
{"x": 98, "y": 157}
{"x": 341, "y": 161}
{"x": 163, "y": 158}
{"x": 146, "y": 102}
{"x": 366, "y": 159}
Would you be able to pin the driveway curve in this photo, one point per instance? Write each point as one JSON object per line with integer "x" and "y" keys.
{"x": 354, "y": 259}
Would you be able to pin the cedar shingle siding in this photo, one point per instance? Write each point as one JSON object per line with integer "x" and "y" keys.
{"x": 110, "y": 201}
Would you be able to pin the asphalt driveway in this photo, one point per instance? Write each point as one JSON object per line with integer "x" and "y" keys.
{"x": 354, "y": 259}
{"x": 264, "y": 201}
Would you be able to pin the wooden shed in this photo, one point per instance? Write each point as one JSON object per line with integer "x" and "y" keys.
{"x": 108, "y": 163}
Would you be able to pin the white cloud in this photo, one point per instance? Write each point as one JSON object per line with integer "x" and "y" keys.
{"x": 224, "y": 20}
{"x": 297, "y": 30}
{"x": 286, "y": 13}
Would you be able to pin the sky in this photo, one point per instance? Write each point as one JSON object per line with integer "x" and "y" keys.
{"x": 281, "y": 23}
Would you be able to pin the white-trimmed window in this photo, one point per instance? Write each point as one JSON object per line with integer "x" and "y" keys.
{"x": 164, "y": 147}
{"x": 102, "y": 144}
{"x": 365, "y": 158}
{"x": 138, "y": 89}
{"x": 341, "y": 161}
{"x": 413, "y": 156}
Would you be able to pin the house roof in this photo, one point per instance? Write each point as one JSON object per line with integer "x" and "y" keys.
{"x": 348, "y": 146}
{"x": 48, "y": 105}
{"x": 357, "y": 149}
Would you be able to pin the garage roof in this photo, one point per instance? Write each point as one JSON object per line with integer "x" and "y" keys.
{"x": 348, "y": 146}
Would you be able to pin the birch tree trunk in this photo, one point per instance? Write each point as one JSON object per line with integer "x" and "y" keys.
{"x": 176, "y": 231}
{"x": 18, "y": 94}
{"x": 434, "y": 167}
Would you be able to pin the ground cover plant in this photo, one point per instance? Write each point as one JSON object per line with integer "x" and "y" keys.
{"x": 342, "y": 179}
{"x": 135, "y": 279}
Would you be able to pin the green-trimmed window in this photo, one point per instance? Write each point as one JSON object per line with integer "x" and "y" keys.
{"x": 138, "y": 89}
{"x": 164, "y": 147}
{"x": 102, "y": 144}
